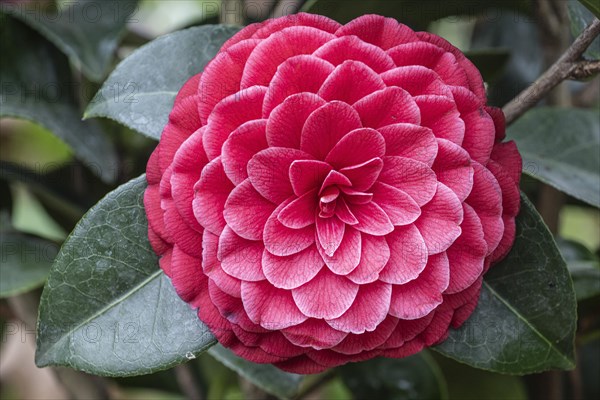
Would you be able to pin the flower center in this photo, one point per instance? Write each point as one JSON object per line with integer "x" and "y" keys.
{"x": 328, "y": 201}
{"x": 337, "y": 194}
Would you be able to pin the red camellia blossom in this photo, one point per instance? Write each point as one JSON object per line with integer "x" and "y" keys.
{"x": 326, "y": 193}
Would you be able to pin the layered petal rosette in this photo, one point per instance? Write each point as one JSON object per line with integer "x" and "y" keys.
{"x": 325, "y": 193}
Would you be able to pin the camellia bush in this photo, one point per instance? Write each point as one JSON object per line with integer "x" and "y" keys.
{"x": 325, "y": 199}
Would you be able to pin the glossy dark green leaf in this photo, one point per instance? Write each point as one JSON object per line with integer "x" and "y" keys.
{"x": 267, "y": 377}
{"x": 415, "y": 13}
{"x": 88, "y": 31}
{"x": 36, "y": 85}
{"x": 107, "y": 308}
{"x": 414, "y": 377}
{"x": 526, "y": 316}
{"x": 593, "y": 6}
{"x": 584, "y": 267}
{"x": 26, "y": 260}
{"x": 561, "y": 147}
{"x": 490, "y": 62}
{"x": 140, "y": 91}
{"x": 581, "y": 17}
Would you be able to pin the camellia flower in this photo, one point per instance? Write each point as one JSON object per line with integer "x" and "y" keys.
{"x": 326, "y": 193}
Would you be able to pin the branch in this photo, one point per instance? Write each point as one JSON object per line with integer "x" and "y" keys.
{"x": 568, "y": 66}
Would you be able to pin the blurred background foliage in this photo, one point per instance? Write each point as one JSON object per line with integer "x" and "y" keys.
{"x": 54, "y": 167}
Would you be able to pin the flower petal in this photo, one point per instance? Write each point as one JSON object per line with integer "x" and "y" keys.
{"x": 155, "y": 215}
{"x": 354, "y": 344}
{"x": 330, "y": 232}
{"x": 453, "y": 168}
{"x": 342, "y": 211}
{"x": 485, "y": 200}
{"x": 406, "y": 331}
{"x": 369, "y": 309}
{"x": 240, "y": 258}
{"x": 380, "y": 31}
{"x": 292, "y": 271}
{"x": 188, "y": 163}
{"x": 283, "y": 241}
{"x": 241, "y": 146}
{"x": 408, "y": 255}
{"x": 230, "y": 113}
{"x": 352, "y": 48}
{"x": 416, "y": 80}
{"x": 375, "y": 254}
{"x": 226, "y": 69}
{"x": 347, "y": 256}
{"x": 326, "y": 126}
{"x": 410, "y": 141}
{"x": 211, "y": 193}
{"x": 258, "y": 299}
{"x": 286, "y": 121}
{"x": 356, "y": 147}
{"x": 186, "y": 274}
{"x": 211, "y": 266}
{"x": 511, "y": 198}
{"x": 300, "y": 213}
{"x": 371, "y": 219}
{"x": 412, "y": 177}
{"x": 467, "y": 254}
{"x": 440, "y": 220}
{"x": 247, "y": 212}
{"x": 350, "y": 82}
{"x": 183, "y": 121}
{"x": 507, "y": 155}
{"x": 363, "y": 176}
{"x": 327, "y": 296}
{"x": 391, "y": 105}
{"x": 479, "y": 135}
{"x": 301, "y": 19}
{"x": 280, "y": 46}
{"x": 400, "y": 208}
{"x": 440, "y": 114}
{"x": 419, "y": 297}
{"x": 306, "y": 175}
{"x": 268, "y": 170}
{"x": 300, "y": 365}
{"x": 298, "y": 74}
{"x": 314, "y": 333}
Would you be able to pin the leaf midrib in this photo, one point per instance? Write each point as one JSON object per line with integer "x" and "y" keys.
{"x": 533, "y": 328}
{"x": 100, "y": 312}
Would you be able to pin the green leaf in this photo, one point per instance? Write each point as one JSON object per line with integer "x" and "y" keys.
{"x": 414, "y": 377}
{"x": 561, "y": 147}
{"x": 267, "y": 377}
{"x": 107, "y": 309}
{"x": 593, "y": 6}
{"x": 88, "y": 31}
{"x": 36, "y": 85}
{"x": 26, "y": 261}
{"x": 526, "y": 316}
{"x": 140, "y": 91}
{"x": 581, "y": 17}
{"x": 584, "y": 267}
{"x": 490, "y": 62}
{"x": 415, "y": 13}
